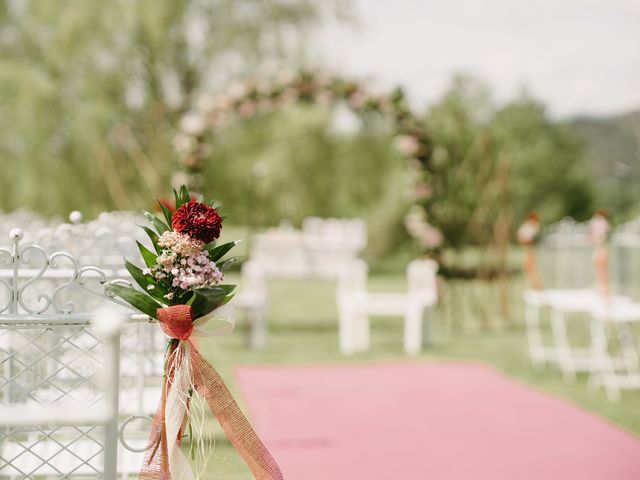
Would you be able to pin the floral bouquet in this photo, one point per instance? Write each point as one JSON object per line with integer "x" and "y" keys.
{"x": 182, "y": 289}
{"x": 528, "y": 235}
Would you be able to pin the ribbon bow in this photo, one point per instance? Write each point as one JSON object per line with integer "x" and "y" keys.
{"x": 187, "y": 372}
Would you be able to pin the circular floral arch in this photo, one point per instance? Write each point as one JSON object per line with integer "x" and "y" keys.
{"x": 254, "y": 97}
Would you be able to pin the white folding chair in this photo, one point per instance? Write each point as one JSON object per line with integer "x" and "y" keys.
{"x": 567, "y": 266}
{"x": 621, "y": 370}
{"x": 604, "y": 314}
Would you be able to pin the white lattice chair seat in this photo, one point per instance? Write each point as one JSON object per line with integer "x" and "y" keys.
{"x": 55, "y": 458}
{"x": 52, "y": 366}
{"x": 547, "y": 297}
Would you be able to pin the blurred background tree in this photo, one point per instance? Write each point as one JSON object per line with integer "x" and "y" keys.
{"x": 508, "y": 160}
{"x": 548, "y": 170}
{"x": 613, "y": 156}
{"x": 301, "y": 162}
{"x": 90, "y": 95}
{"x": 89, "y": 90}
{"x": 465, "y": 162}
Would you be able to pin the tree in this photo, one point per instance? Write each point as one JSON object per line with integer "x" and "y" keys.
{"x": 496, "y": 164}
{"x": 548, "y": 169}
{"x": 464, "y": 163}
{"x": 89, "y": 90}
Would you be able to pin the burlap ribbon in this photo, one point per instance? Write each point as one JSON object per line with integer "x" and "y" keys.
{"x": 187, "y": 370}
{"x": 601, "y": 264}
{"x": 530, "y": 267}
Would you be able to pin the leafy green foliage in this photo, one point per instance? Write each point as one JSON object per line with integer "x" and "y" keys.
{"x": 165, "y": 211}
{"x": 226, "y": 264}
{"x": 184, "y": 196}
{"x": 137, "y": 299}
{"x": 158, "y": 224}
{"x": 90, "y": 91}
{"x": 494, "y": 165}
{"x": 160, "y": 290}
{"x": 208, "y": 299}
{"x": 270, "y": 160}
{"x": 547, "y": 168}
{"x": 613, "y": 152}
{"x": 153, "y": 236}
{"x": 217, "y": 252}
{"x": 146, "y": 281}
{"x": 147, "y": 255}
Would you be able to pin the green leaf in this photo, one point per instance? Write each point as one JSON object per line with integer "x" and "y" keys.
{"x": 228, "y": 298}
{"x": 191, "y": 300}
{"x": 227, "y": 263}
{"x": 140, "y": 278}
{"x": 144, "y": 281}
{"x": 216, "y": 253}
{"x": 166, "y": 212}
{"x": 154, "y": 238}
{"x": 184, "y": 194}
{"x": 227, "y": 287}
{"x": 176, "y": 195}
{"x": 148, "y": 256}
{"x": 137, "y": 299}
{"x": 158, "y": 224}
{"x": 207, "y": 299}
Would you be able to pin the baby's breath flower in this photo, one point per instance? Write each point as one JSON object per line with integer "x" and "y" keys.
{"x": 180, "y": 243}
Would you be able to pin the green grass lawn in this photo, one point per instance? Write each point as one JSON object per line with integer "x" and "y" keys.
{"x": 303, "y": 330}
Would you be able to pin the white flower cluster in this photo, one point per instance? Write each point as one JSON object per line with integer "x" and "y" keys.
{"x": 184, "y": 264}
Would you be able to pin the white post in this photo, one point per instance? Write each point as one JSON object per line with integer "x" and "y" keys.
{"x": 413, "y": 328}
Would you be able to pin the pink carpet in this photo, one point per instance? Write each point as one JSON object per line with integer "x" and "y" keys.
{"x": 408, "y": 421}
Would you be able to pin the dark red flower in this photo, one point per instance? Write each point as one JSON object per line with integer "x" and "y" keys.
{"x": 197, "y": 220}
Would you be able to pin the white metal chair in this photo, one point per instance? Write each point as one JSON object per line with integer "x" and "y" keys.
{"x": 59, "y": 389}
{"x": 356, "y": 305}
{"x": 59, "y": 419}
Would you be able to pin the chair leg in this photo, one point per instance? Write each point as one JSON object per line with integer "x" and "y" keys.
{"x": 605, "y": 371}
{"x": 534, "y": 335}
{"x": 257, "y": 328}
{"x": 413, "y": 330}
{"x": 562, "y": 346}
{"x": 362, "y": 335}
{"x": 628, "y": 347}
{"x": 346, "y": 330}
{"x": 427, "y": 326}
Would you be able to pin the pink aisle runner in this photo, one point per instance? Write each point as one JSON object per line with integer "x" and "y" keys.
{"x": 447, "y": 421}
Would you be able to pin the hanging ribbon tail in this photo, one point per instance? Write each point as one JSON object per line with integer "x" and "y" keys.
{"x": 601, "y": 261}
{"x": 187, "y": 370}
{"x": 243, "y": 438}
{"x": 156, "y": 457}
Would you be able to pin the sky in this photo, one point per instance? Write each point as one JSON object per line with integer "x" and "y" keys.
{"x": 581, "y": 57}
